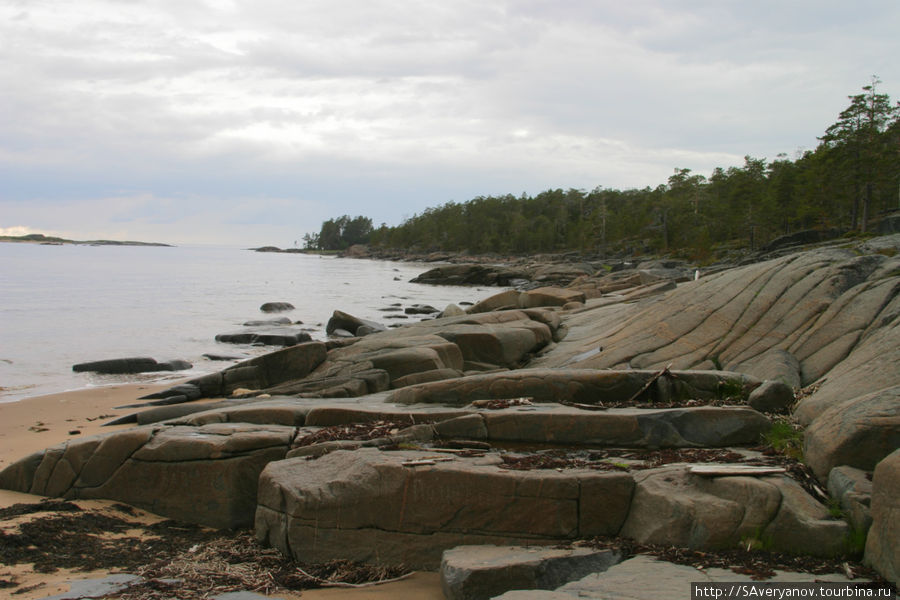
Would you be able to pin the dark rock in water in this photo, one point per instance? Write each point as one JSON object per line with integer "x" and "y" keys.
{"x": 420, "y": 309}
{"x": 140, "y": 364}
{"x": 469, "y": 274}
{"x": 349, "y": 323}
{"x": 273, "y": 336}
{"x": 175, "y": 365}
{"x": 276, "y": 307}
{"x": 223, "y": 357}
{"x": 268, "y": 322}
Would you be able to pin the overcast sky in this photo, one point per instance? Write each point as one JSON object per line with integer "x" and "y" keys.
{"x": 250, "y": 122}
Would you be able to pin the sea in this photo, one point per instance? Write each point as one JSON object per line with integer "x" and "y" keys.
{"x": 65, "y": 304}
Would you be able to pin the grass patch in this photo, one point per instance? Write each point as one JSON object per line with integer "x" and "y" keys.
{"x": 786, "y": 438}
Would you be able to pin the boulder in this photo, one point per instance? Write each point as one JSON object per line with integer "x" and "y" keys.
{"x": 420, "y": 309}
{"x": 671, "y": 506}
{"x": 295, "y": 362}
{"x": 853, "y": 490}
{"x": 205, "y": 475}
{"x": 276, "y": 307}
{"x": 550, "y": 296}
{"x": 453, "y": 310}
{"x": 348, "y": 323}
{"x": 775, "y": 365}
{"x": 483, "y": 572}
{"x": 503, "y": 300}
{"x": 882, "y": 549}
{"x": 772, "y": 397}
{"x": 470, "y": 274}
{"x": 858, "y": 432}
{"x": 267, "y": 336}
{"x": 118, "y": 366}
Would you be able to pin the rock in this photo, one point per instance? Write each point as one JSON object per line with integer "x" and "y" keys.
{"x": 470, "y": 274}
{"x": 806, "y": 236}
{"x": 772, "y": 397}
{"x": 175, "y": 365}
{"x": 503, "y": 300}
{"x": 550, "y": 296}
{"x": 882, "y": 549}
{"x": 276, "y": 307}
{"x": 673, "y": 507}
{"x": 82, "y": 589}
{"x": 424, "y": 377}
{"x": 349, "y": 323}
{"x": 858, "y": 432}
{"x": 117, "y": 366}
{"x": 584, "y": 386}
{"x": 375, "y": 506}
{"x": 224, "y": 357}
{"x": 453, "y": 310}
{"x": 630, "y": 428}
{"x": 420, "y": 309}
{"x": 650, "y": 276}
{"x": 269, "y": 322}
{"x": 366, "y": 330}
{"x": 205, "y": 475}
{"x": 775, "y": 365}
{"x": 288, "y": 364}
{"x": 189, "y": 390}
{"x": 483, "y": 572}
{"x": 645, "y": 577}
{"x": 269, "y": 336}
{"x": 853, "y": 490}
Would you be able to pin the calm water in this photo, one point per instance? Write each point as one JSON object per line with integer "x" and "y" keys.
{"x": 61, "y": 305}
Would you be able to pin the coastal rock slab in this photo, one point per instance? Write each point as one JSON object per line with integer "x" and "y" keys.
{"x": 205, "y": 475}
{"x": 483, "y": 572}
{"x": 584, "y": 386}
{"x": 390, "y": 507}
{"x": 882, "y": 549}
{"x": 671, "y": 506}
{"x": 858, "y": 432}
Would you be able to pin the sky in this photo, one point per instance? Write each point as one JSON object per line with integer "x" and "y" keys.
{"x": 248, "y": 123}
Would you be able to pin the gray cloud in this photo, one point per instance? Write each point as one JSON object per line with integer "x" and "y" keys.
{"x": 188, "y": 120}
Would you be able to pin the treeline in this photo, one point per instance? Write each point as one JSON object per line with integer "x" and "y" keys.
{"x": 340, "y": 233}
{"x": 852, "y": 177}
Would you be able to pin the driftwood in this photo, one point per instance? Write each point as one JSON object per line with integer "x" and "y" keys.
{"x": 657, "y": 375}
{"x": 341, "y": 584}
{"x": 598, "y": 406}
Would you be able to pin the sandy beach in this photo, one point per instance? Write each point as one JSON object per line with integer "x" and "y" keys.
{"x": 36, "y": 423}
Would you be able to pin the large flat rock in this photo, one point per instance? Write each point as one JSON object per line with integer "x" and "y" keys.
{"x": 205, "y": 475}
{"x": 482, "y": 572}
{"x": 672, "y": 506}
{"x": 378, "y": 506}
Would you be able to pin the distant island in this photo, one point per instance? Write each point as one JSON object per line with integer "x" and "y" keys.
{"x": 39, "y": 238}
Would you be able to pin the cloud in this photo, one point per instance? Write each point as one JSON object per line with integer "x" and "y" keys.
{"x": 200, "y": 117}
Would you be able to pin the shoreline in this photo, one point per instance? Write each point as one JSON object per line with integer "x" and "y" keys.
{"x": 38, "y": 422}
